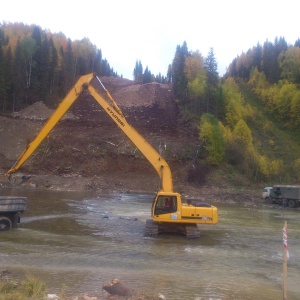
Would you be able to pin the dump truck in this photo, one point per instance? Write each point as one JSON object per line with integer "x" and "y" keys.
{"x": 11, "y": 208}
{"x": 285, "y": 194}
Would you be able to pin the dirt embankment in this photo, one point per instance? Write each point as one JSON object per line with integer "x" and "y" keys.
{"x": 86, "y": 150}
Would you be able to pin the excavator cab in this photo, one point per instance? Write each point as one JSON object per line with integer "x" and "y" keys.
{"x": 170, "y": 214}
{"x": 165, "y": 205}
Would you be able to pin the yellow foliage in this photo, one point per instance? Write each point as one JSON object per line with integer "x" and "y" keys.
{"x": 263, "y": 165}
{"x": 297, "y": 163}
{"x": 242, "y": 131}
{"x": 271, "y": 142}
{"x": 276, "y": 167}
{"x": 194, "y": 65}
{"x": 235, "y": 110}
{"x": 267, "y": 126}
{"x": 212, "y": 134}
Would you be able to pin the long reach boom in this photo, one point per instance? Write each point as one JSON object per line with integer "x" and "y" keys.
{"x": 115, "y": 113}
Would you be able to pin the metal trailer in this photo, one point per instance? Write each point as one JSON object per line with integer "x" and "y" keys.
{"x": 11, "y": 208}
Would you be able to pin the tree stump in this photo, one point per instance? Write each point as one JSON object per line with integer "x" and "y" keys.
{"x": 116, "y": 287}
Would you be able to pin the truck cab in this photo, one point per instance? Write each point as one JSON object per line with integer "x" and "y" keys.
{"x": 266, "y": 193}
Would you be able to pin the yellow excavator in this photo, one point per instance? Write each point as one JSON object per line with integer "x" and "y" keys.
{"x": 169, "y": 213}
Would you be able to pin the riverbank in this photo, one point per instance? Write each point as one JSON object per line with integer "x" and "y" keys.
{"x": 34, "y": 289}
{"x": 113, "y": 183}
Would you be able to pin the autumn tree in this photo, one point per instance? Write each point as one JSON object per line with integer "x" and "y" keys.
{"x": 243, "y": 132}
{"x": 290, "y": 64}
{"x": 84, "y": 56}
{"x": 233, "y": 102}
{"x": 196, "y": 77}
{"x": 211, "y": 134}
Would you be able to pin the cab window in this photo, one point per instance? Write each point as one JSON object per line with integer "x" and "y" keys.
{"x": 165, "y": 205}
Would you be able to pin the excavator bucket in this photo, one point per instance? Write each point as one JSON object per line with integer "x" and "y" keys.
{"x": 13, "y": 179}
{"x": 4, "y": 179}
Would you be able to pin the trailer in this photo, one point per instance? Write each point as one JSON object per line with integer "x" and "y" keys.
{"x": 286, "y": 195}
{"x": 11, "y": 208}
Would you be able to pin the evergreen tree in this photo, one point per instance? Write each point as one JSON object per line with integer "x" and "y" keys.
{"x": 98, "y": 63}
{"x": 212, "y": 84}
{"x": 280, "y": 46}
{"x": 53, "y": 70}
{"x": 179, "y": 79}
{"x": 68, "y": 67}
{"x": 169, "y": 74}
{"x": 147, "y": 76}
{"x": 35, "y": 70}
{"x": 270, "y": 54}
{"x": 8, "y": 71}
{"x": 44, "y": 71}
{"x": 138, "y": 71}
{"x": 27, "y": 50}
{"x": 297, "y": 43}
{"x": 257, "y": 56}
{"x": 19, "y": 82}
{"x": 159, "y": 78}
{"x": 37, "y": 87}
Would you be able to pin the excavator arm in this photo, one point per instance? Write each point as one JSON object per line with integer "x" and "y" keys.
{"x": 115, "y": 113}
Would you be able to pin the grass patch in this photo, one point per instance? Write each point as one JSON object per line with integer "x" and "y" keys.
{"x": 29, "y": 289}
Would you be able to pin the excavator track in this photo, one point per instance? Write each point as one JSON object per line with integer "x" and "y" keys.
{"x": 191, "y": 231}
{"x": 153, "y": 229}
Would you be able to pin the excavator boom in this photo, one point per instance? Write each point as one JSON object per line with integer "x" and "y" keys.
{"x": 115, "y": 113}
{"x": 52, "y": 121}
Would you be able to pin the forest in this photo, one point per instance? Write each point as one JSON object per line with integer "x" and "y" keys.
{"x": 248, "y": 120}
{"x": 36, "y": 64}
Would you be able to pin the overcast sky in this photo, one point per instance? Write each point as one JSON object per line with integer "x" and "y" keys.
{"x": 130, "y": 30}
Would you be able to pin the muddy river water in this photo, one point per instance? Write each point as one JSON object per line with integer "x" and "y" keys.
{"x": 78, "y": 241}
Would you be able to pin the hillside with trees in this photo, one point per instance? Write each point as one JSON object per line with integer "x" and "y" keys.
{"x": 244, "y": 127}
{"x": 273, "y": 73}
{"x": 37, "y": 65}
{"x": 248, "y": 121}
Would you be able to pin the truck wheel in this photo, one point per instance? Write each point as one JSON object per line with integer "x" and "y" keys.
{"x": 5, "y": 224}
{"x": 15, "y": 220}
{"x": 269, "y": 200}
{"x": 292, "y": 203}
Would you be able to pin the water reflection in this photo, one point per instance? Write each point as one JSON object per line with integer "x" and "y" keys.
{"x": 82, "y": 240}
